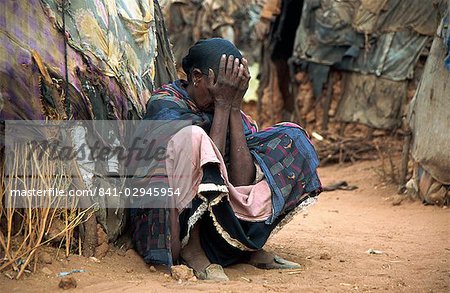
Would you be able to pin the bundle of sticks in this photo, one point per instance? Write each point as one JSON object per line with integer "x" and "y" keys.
{"x": 336, "y": 149}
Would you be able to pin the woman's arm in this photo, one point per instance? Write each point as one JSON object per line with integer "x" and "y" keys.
{"x": 242, "y": 168}
{"x": 219, "y": 127}
{"x": 221, "y": 90}
{"x": 228, "y": 92}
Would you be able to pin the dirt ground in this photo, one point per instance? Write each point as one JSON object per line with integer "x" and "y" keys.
{"x": 330, "y": 241}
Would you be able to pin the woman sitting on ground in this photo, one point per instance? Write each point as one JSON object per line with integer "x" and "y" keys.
{"x": 243, "y": 182}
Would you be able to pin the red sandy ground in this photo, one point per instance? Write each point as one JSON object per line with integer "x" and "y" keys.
{"x": 330, "y": 241}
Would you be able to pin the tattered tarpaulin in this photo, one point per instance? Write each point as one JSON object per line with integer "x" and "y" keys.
{"x": 327, "y": 35}
{"x": 373, "y": 101}
{"x": 393, "y": 56}
{"x": 381, "y": 16}
{"x": 429, "y": 116}
{"x": 381, "y": 38}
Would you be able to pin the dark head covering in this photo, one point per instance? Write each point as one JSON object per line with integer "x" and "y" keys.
{"x": 206, "y": 54}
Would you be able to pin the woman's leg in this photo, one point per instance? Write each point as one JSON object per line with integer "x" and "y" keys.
{"x": 193, "y": 253}
{"x": 188, "y": 152}
{"x": 204, "y": 161}
{"x": 191, "y": 157}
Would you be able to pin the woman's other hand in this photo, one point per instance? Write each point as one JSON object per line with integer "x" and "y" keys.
{"x": 243, "y": 82}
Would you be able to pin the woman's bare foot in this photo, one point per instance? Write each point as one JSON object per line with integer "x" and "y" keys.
{"x": 267, "y": 260}
{"x": 195, "y": 257}
{"x": 261, "y": 256}
{"x": 193, "y": 253}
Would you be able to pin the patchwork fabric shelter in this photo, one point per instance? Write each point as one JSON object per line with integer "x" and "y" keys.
{"x": 82, "y": 60}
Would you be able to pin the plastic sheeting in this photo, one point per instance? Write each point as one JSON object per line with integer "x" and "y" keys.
{"x": 382, "y": 16}
{"x": 373, "y": 101}
{"x": 429, "y": 116}
{"x": 377, "y": 38}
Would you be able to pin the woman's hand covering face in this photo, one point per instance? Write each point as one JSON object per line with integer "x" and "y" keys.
{"x": 232, "y": 82}
{"x": 243, "y": 82}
